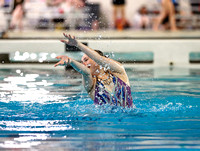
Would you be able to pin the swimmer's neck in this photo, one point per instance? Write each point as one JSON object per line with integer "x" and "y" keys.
{"x": 99, "y": 73}
{"x": 103, "y": 75}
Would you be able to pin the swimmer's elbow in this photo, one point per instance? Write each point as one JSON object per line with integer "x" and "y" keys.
{"x": 86, "y": 73}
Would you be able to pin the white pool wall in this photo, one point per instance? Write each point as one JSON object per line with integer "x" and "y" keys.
{"x": 165, "y": 51}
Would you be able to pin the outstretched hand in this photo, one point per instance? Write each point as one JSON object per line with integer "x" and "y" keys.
{"x": 63, "y": 62}
{"x": 71, "y": 40}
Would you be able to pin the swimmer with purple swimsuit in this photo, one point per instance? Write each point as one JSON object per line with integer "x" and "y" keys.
{"x": 104, "y": 79}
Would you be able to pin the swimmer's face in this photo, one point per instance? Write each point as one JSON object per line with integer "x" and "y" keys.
{"x": 88, "y": 62}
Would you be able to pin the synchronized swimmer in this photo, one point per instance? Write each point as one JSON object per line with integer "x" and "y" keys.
{"x": 104, "y": 79}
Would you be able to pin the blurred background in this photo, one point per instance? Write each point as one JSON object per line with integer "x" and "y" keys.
{"x": 49, "y": 18}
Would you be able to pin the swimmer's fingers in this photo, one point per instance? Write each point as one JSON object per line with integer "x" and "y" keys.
{"x": 72, "y": 37}
{"x": 60, "y": 57}
{"x": 66, "y": 36}
{"x": 69, "y": 36}
{"x": 61, "y": 63}
{"x": 64, "y": 60}
{"x": 57, "y": 64}
{"x": 65, "y": 41}
{"x": 71, "y": 41}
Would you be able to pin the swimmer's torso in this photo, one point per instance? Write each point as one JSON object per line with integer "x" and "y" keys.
{"x": 117, "y": 92}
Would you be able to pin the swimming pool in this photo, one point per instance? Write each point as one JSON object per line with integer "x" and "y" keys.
{"x": 48, "y": 109}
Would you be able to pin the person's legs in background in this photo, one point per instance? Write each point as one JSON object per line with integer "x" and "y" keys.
{"x": 167, "y": 10}
{"x": 17, "y": 17}
{"x": 172, "y": 18}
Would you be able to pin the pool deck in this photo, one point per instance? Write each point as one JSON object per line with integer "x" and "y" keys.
{"x": 104, "y": 34}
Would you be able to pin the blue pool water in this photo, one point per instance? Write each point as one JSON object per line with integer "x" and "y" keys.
{"x": 45, "y": 109}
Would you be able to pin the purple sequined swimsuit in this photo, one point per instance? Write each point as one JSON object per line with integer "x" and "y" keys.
{"x": 121, "y": 95}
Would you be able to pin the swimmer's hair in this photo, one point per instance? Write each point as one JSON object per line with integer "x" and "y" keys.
{"x": 101, "y": 53}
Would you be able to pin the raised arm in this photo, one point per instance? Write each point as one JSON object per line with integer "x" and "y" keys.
{"x": 101, "y": 60}
{"x": 87, "y": 77}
